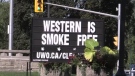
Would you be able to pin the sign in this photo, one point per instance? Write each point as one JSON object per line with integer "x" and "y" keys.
{"x": 56, "y": 39}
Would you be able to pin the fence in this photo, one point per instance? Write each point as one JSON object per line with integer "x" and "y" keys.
{"x": 18, "y": 62}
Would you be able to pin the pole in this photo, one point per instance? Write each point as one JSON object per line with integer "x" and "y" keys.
{"x": 27, "y": 69}
{"x": 119, "y": 11}
{"x": 30, "y": 67}
{"x": 120, "y": 71}
{"x": 11, "y": 26}
{"x": 89, "y": 11}
{"x": 48, "y": 14}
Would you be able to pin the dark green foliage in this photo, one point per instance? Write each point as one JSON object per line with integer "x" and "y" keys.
{"x": 130, "y": 43}
{"x": 23, "y": 9}
{"x": 105, "y": 59}
{"x": 130, "y": 40}
{"x": 22, "y": 23}
{"x": 4, "y": 18}
{"x": 64, "y": 68}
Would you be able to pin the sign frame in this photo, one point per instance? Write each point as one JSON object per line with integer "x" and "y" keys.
{"x": 59, "y": 60}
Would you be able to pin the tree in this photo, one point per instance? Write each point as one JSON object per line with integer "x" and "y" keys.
{"x": 23, "y": 18}
{"x": 130, "y": 42}
{"x": 22, "y": 23}
{"x": 2, "y": 0}
{"x": 4, "y": 18}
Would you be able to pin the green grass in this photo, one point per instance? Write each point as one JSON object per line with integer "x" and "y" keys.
{"x": 18, "y": 74}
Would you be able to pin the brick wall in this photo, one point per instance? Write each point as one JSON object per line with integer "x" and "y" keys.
{"x": 16, "y": 65}
{"x": 16, "y": 62}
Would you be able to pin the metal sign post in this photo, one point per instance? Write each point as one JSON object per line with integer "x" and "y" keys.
{"x": 121, "y": 71}
{"x": 121, "y": 27}
{"x": 90, "y": 11}
{"x": 11, "y": 26}
{"x": 119, "y": 10}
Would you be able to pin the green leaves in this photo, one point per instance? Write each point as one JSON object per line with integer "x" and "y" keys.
{"x": 89, "y": 51}
{"x": 88, "y": 54}
{"x": 111, "y": 52}
{"x": 90, "y": 43}
{"x": 4, "y": 18}
{"x": 107, "y": 50}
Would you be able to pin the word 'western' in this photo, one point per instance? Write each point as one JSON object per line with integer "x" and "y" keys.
{"x": 55, "y": 38}
{"x": 66, "y": 26}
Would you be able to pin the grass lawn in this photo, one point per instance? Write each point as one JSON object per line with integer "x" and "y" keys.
{"x": 18, "y": 74}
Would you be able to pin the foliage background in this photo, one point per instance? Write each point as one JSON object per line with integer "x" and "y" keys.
{"x": 24, "y": 11}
